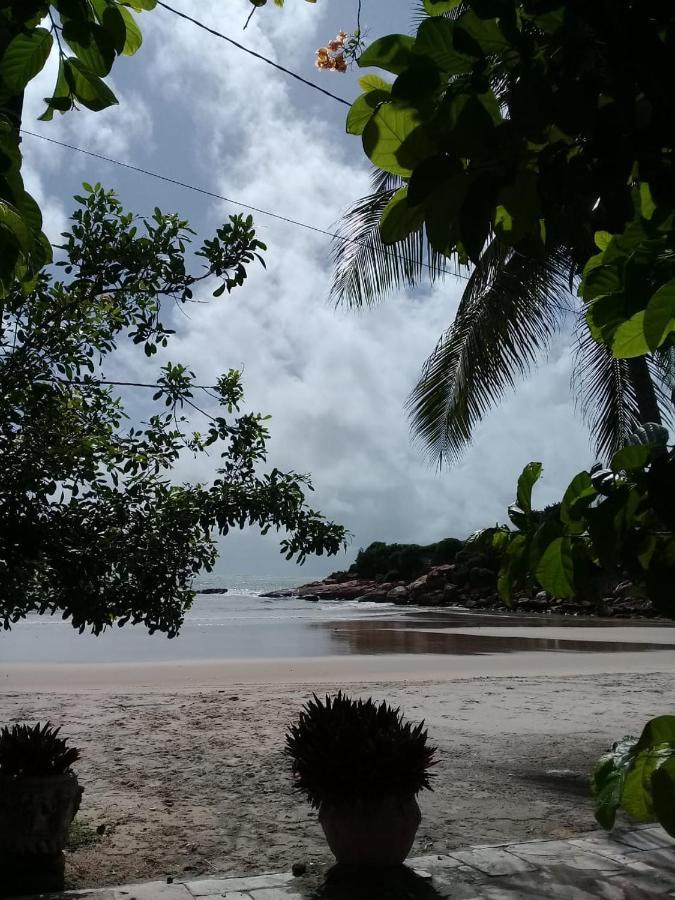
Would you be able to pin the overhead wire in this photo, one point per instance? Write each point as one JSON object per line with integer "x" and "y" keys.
{"x": 260, "y": 56}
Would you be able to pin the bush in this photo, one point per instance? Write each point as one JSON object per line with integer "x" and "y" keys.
{"x": 351, "y": 751}
{"x": 403, "y": 561}
{"x": 27, "y": 752}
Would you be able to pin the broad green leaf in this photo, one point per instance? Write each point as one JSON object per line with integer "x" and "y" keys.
{"x": 636, "y": 797}
{"x": 608, "y": 779}
{"x": 476, "y": 215}
{"x": 399, "y": 219}
{"x": 391, "y": 53}
{"x": 660, "y": 730}
{"x": 363, "y": 108}
{"x": 394, "y": 140}
{"x": 24, "y": 58}
{"x": 91, "y": 44}
{"x": 631, "y": 457}
{"x": 483, "y": 33}
{"x": 663, "y": 795}
{"x": 435, "y": 40}
{"x": 659, "y": 321}
{"x": 555, "y": 572}
{"x": 527, "y": 480}
{"x": 147, "y": 5}
{"x": 373, "y": 83}
{"x": 134, "y": 38}
{"x": 602, "y": 239}
{"x": 580, "y": 492}
{"x": 629, "y": 338}
{"x": 438, "y": 7}
{"x": 89, "y": 89}
{"x": 647, "y": 205}
{"x": 13, "y": 221}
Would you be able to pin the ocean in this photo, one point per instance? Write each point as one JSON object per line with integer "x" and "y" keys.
{"x": 237, "y": 625}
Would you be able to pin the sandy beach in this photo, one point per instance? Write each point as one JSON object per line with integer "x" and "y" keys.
{"x": 184, "y": 766}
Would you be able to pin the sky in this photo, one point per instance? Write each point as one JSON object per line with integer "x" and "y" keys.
{"x": 335, "y": 381}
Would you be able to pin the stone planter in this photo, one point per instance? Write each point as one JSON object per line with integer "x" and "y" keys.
{"x": 35, "y": 815}
{"x": 371, "y": 834}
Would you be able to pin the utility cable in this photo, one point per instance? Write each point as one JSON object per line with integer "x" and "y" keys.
{"x": 265, "y": 212}
{"x": 248, "y": 50}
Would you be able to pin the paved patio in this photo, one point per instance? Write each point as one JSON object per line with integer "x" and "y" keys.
{"x": 630, "y": 864}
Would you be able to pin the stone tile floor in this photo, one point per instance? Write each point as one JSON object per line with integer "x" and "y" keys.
{"x": 630, "y": 864}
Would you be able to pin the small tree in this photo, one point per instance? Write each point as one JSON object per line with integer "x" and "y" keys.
{"x": 91, "y": 523}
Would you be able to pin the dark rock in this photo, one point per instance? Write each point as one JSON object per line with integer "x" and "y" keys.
{"x": 219, "y": 590}
{"x": 169, "y": 879}
{"x": 450, "y": 593}
{"x": 398, "y": 595}
{"x": 100, "y": 829}
{"x": 479, "y": 577}
{"x": 276, "y": 595}
{"x": 470, "y": 604}
{"x": 298, "y": 869}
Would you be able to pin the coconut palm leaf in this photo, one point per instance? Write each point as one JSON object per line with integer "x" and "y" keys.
{"x": 364, "y": 269}
{"x": 507, "y": 315}
{"x": 604, "y": 393}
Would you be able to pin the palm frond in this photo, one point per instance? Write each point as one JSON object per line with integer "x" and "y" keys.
{"x": 508, "y": 312}
{"x": 365, "y": 270}
{"x": 605, "y": 393}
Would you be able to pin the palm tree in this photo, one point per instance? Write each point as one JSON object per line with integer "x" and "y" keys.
{"x": 510, "y": 309}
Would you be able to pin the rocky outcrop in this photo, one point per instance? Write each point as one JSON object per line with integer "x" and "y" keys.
{"x": 469, "y": 584}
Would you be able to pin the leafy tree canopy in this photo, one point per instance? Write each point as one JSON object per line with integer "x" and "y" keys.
{"x": 88, "y": 35}
{"x": 546, "y": 124}
{"x": 91, "y": 522}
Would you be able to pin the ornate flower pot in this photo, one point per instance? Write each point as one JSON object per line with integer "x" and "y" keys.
{"x": 35, "y": 815}
{"x": 371, "y": 834}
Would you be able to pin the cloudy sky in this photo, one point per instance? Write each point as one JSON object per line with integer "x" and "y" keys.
{"x": 197, "y": 109}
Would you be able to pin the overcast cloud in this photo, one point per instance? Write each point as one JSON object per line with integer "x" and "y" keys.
{"x": 197, "y": 109}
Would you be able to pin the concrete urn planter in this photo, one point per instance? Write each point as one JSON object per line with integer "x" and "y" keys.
{"x": 35, "y": 815}
{"x": 371, "y": 834}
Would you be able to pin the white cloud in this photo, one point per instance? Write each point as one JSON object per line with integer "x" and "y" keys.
{"x": 335, "y": 382}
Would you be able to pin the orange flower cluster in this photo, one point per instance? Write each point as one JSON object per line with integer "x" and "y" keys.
{"x": 332, "y": 56}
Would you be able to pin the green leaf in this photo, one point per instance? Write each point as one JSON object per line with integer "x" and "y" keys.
{"x": 391, "y": 53}
{"x": 555, "y": 572}
{"x": 630, "y": 458}
{"x": 629, "y": 338}
{"x": 363, "y": 108}
{"x": 663, "y": 795}
{"x": 484, "y": 34}
{"x": 435, "y": 40}
{"x": 89, "y": 89}
{"x": 438, "y": 7}
{"x": 394, "y": 140}
{"x": 24, "y": 58}
{"x": 399, "y": 219}
{"x": 373, "y": 83}
{"x": 579, "y": 493}
{"x": 636, "y": 798}
{"x": 12, "y": 221}
{"x": 134, "y": 38}
{"x": 528, "y": 478}
{"x": 91, "y": 44}
{"x": 475, "y": 216}
{"x": 659, "y": 321}
{"x": 660, "y": 730}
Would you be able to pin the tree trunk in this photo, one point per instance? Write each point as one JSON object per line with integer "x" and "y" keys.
{"x": 645, "y": 394}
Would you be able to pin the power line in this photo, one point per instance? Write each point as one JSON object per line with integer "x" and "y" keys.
{"x": 259, "y": 56}
{"x": 265, "y": 212}
{"x": 214, "y": 195}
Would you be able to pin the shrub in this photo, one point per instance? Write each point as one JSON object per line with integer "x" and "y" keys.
{"x": 350, "y": 751}
{"x": 27, "y": 752}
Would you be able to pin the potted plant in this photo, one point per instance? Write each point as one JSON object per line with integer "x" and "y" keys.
{"x": 39, "y": 797}
{"x": 362, "y": 767}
